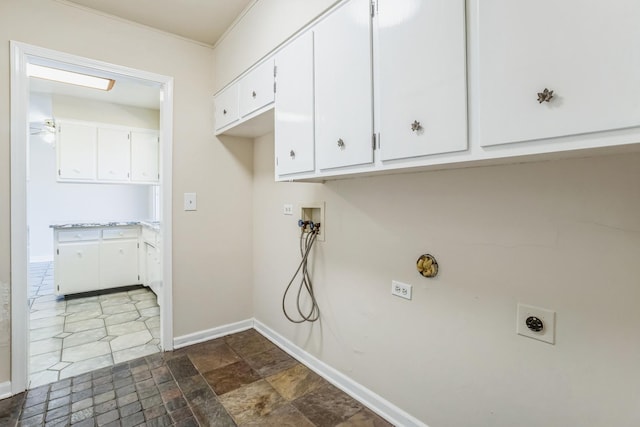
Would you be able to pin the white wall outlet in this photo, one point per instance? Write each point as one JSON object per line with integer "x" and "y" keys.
{"x": 401, "y": 290}
{"x": 190, "y": 202}
{"x": 287, "y": 209}
{"x": 537, "y": 323}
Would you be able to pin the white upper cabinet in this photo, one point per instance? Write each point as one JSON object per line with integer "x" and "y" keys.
{"x": 421, "y": 79}
{"x": 294, "y": 132}
{"x": 585, "y": 52}
{"x": 76, "y": 151}
{"x": 226, "y": 107}
{"x": 114, "y": 154}
{"x": 343, "y": 87}
{"x": 256, "y": 89}
{"x": 144, "y": 156}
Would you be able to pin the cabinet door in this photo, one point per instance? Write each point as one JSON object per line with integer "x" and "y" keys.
{"x": 226, "y": 106}
{"x": 421, "y": 78}
{"x": 585, "y": 52}
{"x": 343, "y": 87}
{"x": 144, "y": 157}
{"x": 118, "y": 263}
{"x": 76, "y": 267}
{"x": 76, "y": 149}
{"x": 114, "y": 154}
{"x": 294, "y": 134}
{"x": 256, "y": 88}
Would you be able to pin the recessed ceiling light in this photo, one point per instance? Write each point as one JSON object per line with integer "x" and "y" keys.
{"x": 70, "y": 77}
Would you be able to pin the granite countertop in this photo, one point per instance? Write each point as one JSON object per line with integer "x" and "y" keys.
{"x": 96, "y": 224}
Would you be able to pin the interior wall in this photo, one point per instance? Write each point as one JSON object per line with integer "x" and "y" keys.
{"x": 69, "y": 107}
{"x": 211, "y": 285}
{"x": 563, "y": 235}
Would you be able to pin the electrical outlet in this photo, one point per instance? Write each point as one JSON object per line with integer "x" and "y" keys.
{"x": 287, "y": 209}
{"x": 537, "y": 323}
{"x": 401, "y": 290}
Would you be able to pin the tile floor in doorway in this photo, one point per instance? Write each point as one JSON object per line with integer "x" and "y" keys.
{"x": 239, "y": 380}
{"x": 75, "y": 335}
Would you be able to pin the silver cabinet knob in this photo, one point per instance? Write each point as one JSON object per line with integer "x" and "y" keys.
{"x": 292, "y": 154}
{"x": 545, "y": 96}
{"x": 224, "y": 111}
{"x": 341, "y": 144}
{"x": 253, "y": 94}
{"x": 416, "y": 126}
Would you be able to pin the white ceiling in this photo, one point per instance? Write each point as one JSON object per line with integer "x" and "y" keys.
{"x": 201, "y": 20}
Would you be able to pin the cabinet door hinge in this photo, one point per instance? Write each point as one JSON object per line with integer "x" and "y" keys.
{"x": 138, "y": 277}
{"x": 158, "y": 138}
{"x": 129, "y": 136}
{"x": 59, "y": 172}
{"x": 57, "y": 251}
{"x": 373, "y": 141}
{"x": 138, "y": 245}
{"x": 275, "y": 70}
{"x": 58, "y": 288}
{"x": 373, "y": 8}
{"x": 274, "y": 87}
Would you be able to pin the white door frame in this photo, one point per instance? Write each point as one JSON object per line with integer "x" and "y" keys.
{"x": 21, "y": 55}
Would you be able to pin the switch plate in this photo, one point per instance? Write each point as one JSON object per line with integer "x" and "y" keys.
{"x": 401, "y": 290}
{"x": 548, "y": 318}
{"x": 190, "y": 202}
{"x": 287, "y": 209}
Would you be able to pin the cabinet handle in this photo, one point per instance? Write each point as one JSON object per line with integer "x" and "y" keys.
{"x": 224, "y": 112}
{"x": 253, "y": 94}
{"x": 545, "y": 96}
{"x": 292, "y": 154}
{"x": 79, "y": 253}
{"x": 416, "y": 126}
{"x": 341, "y": 144}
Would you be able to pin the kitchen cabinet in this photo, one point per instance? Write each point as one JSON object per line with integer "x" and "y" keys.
{"x": 119, "y": 257}
{"x": 76, "y": 151}
{"x": 94, "y": 258}
{"x": 90, "y": 152}
{"x": 226, "y": 107}
{"x": 421, "y": 97}
{"x": 343, "y": 87}
{"x": 294, "y": 121}
{"x": 114, "y": 154}
{"x": 585, "y": 53}
{"x": 76, "y": 261}
{"x": 145, "y": 157}
{"x": 256, "y": 89}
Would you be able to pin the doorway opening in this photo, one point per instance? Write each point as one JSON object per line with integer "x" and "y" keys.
{"x": 67, "y": 229}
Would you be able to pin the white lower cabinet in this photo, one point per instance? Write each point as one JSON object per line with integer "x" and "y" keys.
{"x": 343, "y": 87}
{"x": 91, "y": 259}
{"x": 75, "y": 266}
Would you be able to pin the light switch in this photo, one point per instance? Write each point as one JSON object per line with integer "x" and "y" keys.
{"x": 190, "y": 202}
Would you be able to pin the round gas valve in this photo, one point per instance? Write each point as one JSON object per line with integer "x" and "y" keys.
{"x": 427, "y": 265}
{"x": 534, "y": 324}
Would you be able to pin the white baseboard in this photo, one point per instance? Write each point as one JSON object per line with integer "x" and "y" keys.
{"x": 5, "y": 390}
{"x": 209, "y": 334}
{"x": 371, "y": 400}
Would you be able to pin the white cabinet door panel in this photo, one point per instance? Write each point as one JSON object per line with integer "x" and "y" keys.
{"x": 114, "y": 154}
{"x": 294, "y": 132}
{"x": 118, "y": 263}
{"x": 343, "y": 87}
{"x": 226, "y": 106}
{"x": 585, "y": 52}
{"x": 144, "y": 156}
{"x": 255, "y": 90}
{"x": 76, "y": 265}
{"x": 421, "y": 77}
{"x": 76, "y": 151}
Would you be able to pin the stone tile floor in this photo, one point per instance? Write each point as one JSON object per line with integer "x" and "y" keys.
{"x": 73, "y": 335}
{"x": 239, "y": 380}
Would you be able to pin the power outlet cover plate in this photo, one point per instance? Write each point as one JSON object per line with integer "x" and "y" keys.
{"x": 548, "y": 318}
{"x": 401, "y": 290}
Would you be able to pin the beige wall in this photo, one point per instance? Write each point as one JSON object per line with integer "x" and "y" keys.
{"x": 69, "y": 107}
{"x": 212, "y": 285}
{"x": 563, "y": 235}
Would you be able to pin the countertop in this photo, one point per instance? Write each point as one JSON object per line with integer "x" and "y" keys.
{"x": 155, "y": 225}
